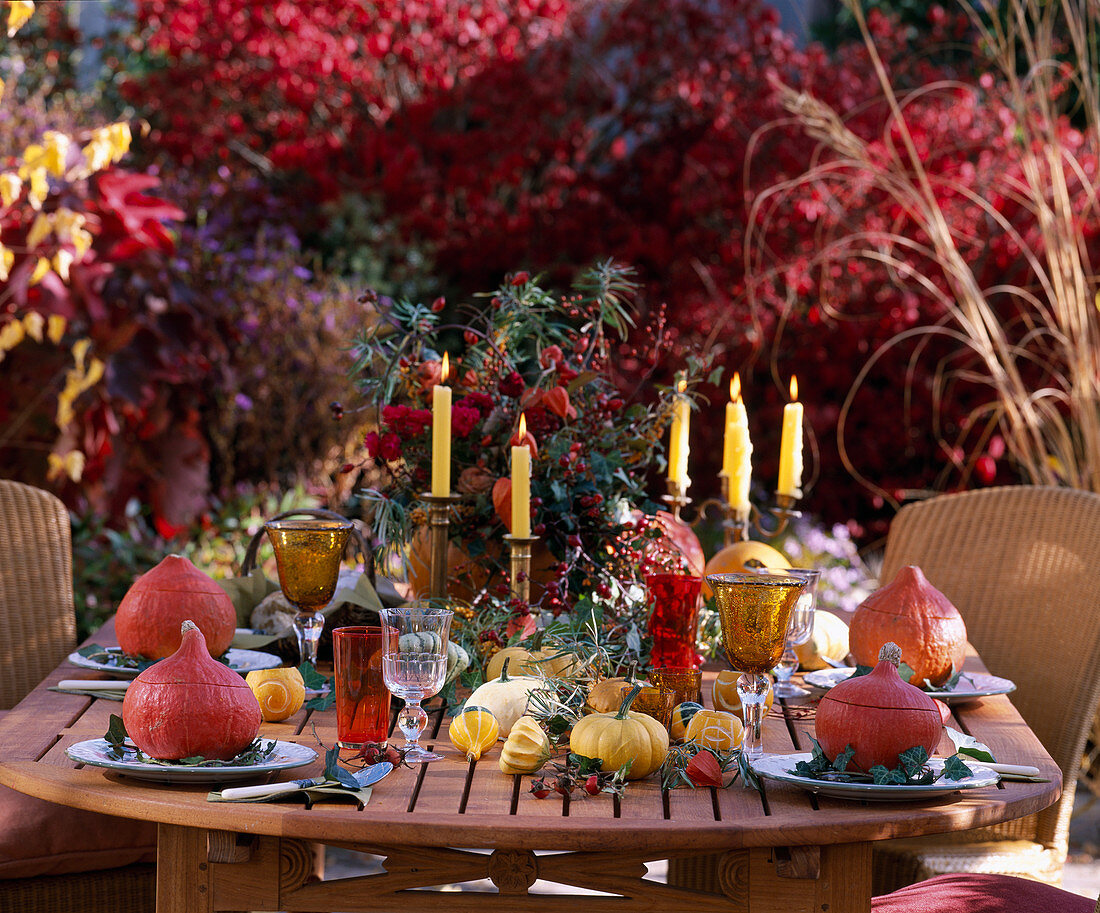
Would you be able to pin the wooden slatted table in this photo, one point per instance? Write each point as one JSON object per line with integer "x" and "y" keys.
{"x": 452, "y": 822}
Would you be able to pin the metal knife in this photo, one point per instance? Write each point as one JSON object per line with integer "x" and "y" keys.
{"x": 365, "y": 777}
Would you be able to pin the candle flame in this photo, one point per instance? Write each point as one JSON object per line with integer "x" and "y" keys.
{"x": 445, "y": 370}
{"x": 681, "y": 386}
{"x": 735, "y": 387}
{"x": 794, "y": 388}
{"x": 522, "y": 427}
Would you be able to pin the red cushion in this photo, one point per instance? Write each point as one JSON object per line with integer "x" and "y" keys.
{"x": 41, "y": 838}
{"x": 967, "y": 893}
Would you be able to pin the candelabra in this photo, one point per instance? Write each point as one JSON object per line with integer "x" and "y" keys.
{"x": 519, "y": 548}
{"x": 736, "y": 521}
{"x": 439, "y": 521}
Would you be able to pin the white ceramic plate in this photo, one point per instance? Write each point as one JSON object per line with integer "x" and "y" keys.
{"x": 779, "y": 767}
{"x": 95, "y": 752}
{"x": 241, "y": 661}
{"x": 970, "y": 686}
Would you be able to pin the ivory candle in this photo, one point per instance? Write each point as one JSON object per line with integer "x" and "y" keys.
{"x": 678, "y": 448}
{"x": 441, "y": 434}
{"x": 737, "y": 450}
{"x": 790, "y": 447}
{"x": 521, "y": 484}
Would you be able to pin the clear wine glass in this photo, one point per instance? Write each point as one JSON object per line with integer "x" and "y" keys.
{"x": 308, "y": 553}
{"x": 755, "y": 611}
{"x": 414, "y": 665}
{"x": 801, "y": 627}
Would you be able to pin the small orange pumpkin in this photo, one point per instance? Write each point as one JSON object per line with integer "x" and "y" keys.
{"x": 190, "y": 705}
{"x": 879, "y": 715}
{"x": 912, "y": 613}
{"x": 160, "y": 600}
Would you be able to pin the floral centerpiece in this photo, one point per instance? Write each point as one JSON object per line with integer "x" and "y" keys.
{"x": 547, "y": 357}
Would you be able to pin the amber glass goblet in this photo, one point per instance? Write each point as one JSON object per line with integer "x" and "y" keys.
{"x": 308, "y": 553}
{"x": 755, "y": 610}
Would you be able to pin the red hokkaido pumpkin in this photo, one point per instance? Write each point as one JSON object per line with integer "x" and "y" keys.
{"x": 150, "y": 614}
{"x": 879, "y": 715}
{"x": 190, "y": 705}
{"x": 912, "y": 613}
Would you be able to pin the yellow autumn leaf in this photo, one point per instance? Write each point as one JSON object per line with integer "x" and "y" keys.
{"x": 34, "y": 157}
{"x": 57, "y": 152}
{"x": 94, "y": 375}
{"x": 2, "y": 86}
{"x": 19, "y": 12}
{"x": 40, "y": 270}
{"x": 62, "y": 260}
{"x": 120, "y": 139}
{"x": 71, "y": 465}
{"x": 40, "y": 230}
{"x": 97, "y": 152}
{"x": 7, "y": 259}
{"x": 40, "y": 188}
{"x": 65, "y": 222}
{"x": 55, "y": 328}
{"x": 33, "y": 323}
{"x": 79, "y": 351}
{"x": 11, "y": 185}
{"x": 11, "y": 334}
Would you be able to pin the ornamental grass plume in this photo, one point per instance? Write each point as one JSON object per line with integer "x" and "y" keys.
{"x": 1026, "y": 334}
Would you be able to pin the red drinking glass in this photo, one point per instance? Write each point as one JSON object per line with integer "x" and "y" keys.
{"x": 674, "y": 620}
{"x": 362, "y": 699}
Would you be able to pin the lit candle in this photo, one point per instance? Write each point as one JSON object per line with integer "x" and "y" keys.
{"x": 790, "y": 447}
{"x": 441, "y": 434}
{"x": 521, "y": 484}
{"x": 737, "y": 452}
{"x": 678, "y": 440}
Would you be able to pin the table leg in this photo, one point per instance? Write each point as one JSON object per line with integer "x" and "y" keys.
{"x": 828, "y": 879}
{"x": 184, "y": 877}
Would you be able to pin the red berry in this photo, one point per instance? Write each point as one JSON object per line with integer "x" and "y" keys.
{"x": 592, "y": 785}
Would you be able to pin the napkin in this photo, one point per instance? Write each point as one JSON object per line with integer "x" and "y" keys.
{"x": 108, "y": 690}
{"x": 310, "y": 795}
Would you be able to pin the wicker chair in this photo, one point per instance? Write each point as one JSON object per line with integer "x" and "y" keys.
{"x": 38, "y": 629}
{"x": 1021, "y": 564}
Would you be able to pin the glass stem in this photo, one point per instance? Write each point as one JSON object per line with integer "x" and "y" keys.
{"x": 788, "y": 662}
{"x": 752, "y": 688}
{"x": 411, "y": 720}
{"x": 308, "y": 627}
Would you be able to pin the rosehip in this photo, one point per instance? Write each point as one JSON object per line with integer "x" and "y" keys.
{"x": 592, "y": 785}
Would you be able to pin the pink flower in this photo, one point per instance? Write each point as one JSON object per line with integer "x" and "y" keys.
{"x": 551, "y": 355}
{"x": 390, "y": 447}
{"x": 511, "y": 384}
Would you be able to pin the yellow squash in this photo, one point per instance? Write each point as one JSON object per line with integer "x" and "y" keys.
{"x": 616, "y": 738}
{"x": 715, "y": 729}
{"x": 473, "y": 730}
{"x": 505, "y": 697}
{"x": 526, "y": 749}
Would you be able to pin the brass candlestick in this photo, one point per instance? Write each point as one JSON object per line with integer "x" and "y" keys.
{"x": 676, "y": 498}
{"x": 519, "y": 548}
{"x": 439, "y": 520}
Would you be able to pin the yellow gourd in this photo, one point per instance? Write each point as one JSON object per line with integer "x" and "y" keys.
{"x": 616, "y": 738}
{"x": 681, "y": 717}
{"x": 829, "y": 638}
{"x": 715, "y": 729}
{"x": 473, "y": 730}
{"x": 526, "y": 749}
{"x": 519, "y": 660}
{"x": 504, "y": 697}
{"x": 724, "y": 696}
{"x": 280, "y": 692}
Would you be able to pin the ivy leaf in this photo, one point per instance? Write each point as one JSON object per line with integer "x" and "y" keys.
{"x": 884, "y": 777}
{"x": 313, "y": 680}
{"x": 905, "y": 671}
{"x": 861, "y": 671}
{"x": 842, "y": 759}
{"x": 585, "y": 765}
{"x": 116, "y": 736}
{"x": 969, "y": 746}
{"x": 955, "y": 769}
{"x": 913, "y": 760}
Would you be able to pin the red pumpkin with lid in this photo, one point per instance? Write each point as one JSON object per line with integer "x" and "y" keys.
{"x": 190, "y": 705}
{"x": 912, "y": 613}
{"x": 150, "y": 614}
{"x": 878, "y": 715}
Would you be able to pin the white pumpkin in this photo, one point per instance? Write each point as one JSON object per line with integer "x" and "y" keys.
{"x": 505, "y": 697}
